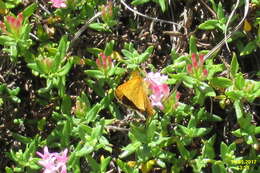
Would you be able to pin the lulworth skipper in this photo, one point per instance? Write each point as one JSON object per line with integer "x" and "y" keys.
{"x": 134, "y": 94}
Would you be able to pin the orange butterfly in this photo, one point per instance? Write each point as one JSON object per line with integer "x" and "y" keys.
{"x": 134, "y": 93}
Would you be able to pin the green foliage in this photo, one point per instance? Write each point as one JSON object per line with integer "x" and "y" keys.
{"x": 10, "y": 3}
{"x": 53, "y": 68}
{"x": 218, "y": 23}
{"x": 257, "y": 2}
{"x": 25, "y": 160}
{"x": 16, "y": 39}
{"x": 7, "y": 94}
{"x": 163, "y": 4}
{"x": 132, "y": 58}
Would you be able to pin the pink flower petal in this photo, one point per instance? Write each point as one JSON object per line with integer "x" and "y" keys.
{"x": 106, "y": 61}
{"x": 178, "y": 95}
{"x": 156, "y": 78}
{"x": 205, "y": 72}
{"x": 189, "y": 68}
{"x": 159, "y": 89}
{"x": 19, "y": 21}
{"x": 58, "y": 3}
{"x": 194, "y": 61}
{"x": 53, "y": 162}
{"x": 201, "y": 57}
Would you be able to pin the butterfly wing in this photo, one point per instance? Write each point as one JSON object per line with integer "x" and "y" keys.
{"x": 148, "y": 106}
{"x": 134, "y": 90}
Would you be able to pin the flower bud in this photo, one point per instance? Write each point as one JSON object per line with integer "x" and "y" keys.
{"x": 15, "y": 23}
{"x": 104, "y": 62}
{"x": 194, "y": 61}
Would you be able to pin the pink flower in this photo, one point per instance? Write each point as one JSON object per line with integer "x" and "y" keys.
{"x": 15, "y": 23}
{"x": 104, "y": 62}
{"x": 156, "y": 78}
{"x": 107, "y": 10}
{"x": 196, "y": 68}
{"x": 178, "y": 96}
{"x": 205, "y": 72}
{"x": 159, "y": 89}
{"x": 58, "y": 3}
{"x": 201, "y": 58}
{"x": 194, "y": 61}
{"x": 53, "y": 162}
{"x": 189, "y": 68}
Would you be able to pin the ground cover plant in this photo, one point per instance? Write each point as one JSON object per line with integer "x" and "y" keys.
{"x": 130, "y": 86}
